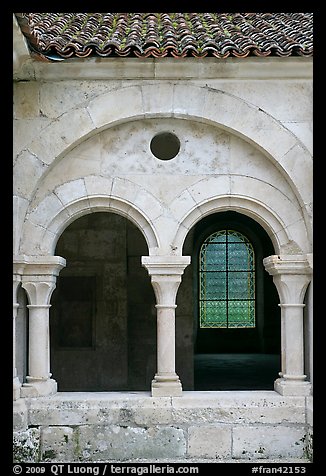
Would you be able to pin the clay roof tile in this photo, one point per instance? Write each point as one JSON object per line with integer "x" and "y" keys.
{"x": 65, "y": 35}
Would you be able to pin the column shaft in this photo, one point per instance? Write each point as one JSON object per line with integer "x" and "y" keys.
{"x": 16, "y": 282}
{"x": 165, "y": 341}
{"x": 294, "y": 355}
{"x": 38, "y": 365}
{"x": 16, "y": 382}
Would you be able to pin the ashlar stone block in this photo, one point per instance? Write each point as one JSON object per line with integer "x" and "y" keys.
{"x": 210, "y": 441}
{"x": 269, "y": 442}
{"x": 101, "y": 443}
{"x": 98, "y": 185}
{"x": 26, "y": 105}
{"x": 58, "y": 443}
{"x": 158, "y": 98}
{"x": 116, "y": 106}
{"x": 71, "y": 191}
{"x": 61, "y": 134}
{"x": 27, "y": 170}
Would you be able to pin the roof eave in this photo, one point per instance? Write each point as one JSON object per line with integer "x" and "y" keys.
{"x": 21, "y": 53}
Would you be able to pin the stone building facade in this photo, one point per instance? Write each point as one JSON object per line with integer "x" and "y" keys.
{"x": 121, "y": 167}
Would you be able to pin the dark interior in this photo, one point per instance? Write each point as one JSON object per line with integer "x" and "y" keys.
{"x": 103, "y": 316}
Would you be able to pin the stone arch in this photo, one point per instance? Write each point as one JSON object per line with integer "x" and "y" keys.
{"x": 247, "y": 206}
{"x": 208, "y": 105}
{"x": 44, "y": 230}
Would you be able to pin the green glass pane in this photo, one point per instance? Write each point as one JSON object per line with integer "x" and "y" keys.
{"x": 235, "y": 236}
{"x": 213, "y": 314}
{"x": 213, "y": 257}
{"x": 241, "y": 314}
{"x": 213, "y": 286}
{"x": 240, "y": 285}
{"x": 240, "y": 256}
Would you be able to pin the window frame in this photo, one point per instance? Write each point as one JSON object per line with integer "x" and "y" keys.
{"x": 227, "y": 299}
{"x": 247, "y": 226}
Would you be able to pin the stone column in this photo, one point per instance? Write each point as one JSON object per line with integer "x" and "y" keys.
{"x": 38, "y": 279}
{"x": 291, "y": 275}
{"x": 17, "y": 271}
{"x": 166, "y": 275}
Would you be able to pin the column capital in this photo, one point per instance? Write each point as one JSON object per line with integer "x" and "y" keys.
{"x": 165, "y": 272}
{"x": 16, "y": 281}
{"x": 38, "y": 265}
{"x": 38, "y": 276}
{"x": 288, "y": 264}
{"x": 39, "y": 292}
{"x": 291, "y": 275}
{"x": 165, "y": 265}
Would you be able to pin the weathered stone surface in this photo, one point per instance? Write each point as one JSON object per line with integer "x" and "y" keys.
{"x": 51, "y": 95}
{"x": 20, "y": 415}
{"x": 58, "y": 443}
{"x": 100, "y": 443}
{"x": 238, "y": 407}
{"x": 268, "y": 441}
{"x": 26, "y": 446}
{"x": 210, "y": 441}
{"x": 26, "y": 104}
{"x": 210, "y": 425}
{"x": 82, "y": 408}
{"x": 309, "y": 401}
{"x": 82, "y": 144}
{"x": 105, "y": 109}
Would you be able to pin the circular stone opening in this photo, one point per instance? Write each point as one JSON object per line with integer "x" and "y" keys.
{"x": 165, "y": 146}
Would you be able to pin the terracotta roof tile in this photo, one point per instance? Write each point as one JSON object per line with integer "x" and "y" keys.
{"x": 65, "y": 35}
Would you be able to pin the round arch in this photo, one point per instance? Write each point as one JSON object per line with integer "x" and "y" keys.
{"x": 252, "y": 208}
{"x": 207, "y": 105}
{"x": 43, "y": 236}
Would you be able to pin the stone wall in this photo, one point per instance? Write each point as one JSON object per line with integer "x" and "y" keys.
{"x": 82, "y": 134}
{"x": 206, "y": 426}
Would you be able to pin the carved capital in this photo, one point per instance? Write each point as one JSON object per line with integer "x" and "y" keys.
{"x": 37, "y": 275}
{"x": 165, "y": 272}
{"x": 291, "y": 275}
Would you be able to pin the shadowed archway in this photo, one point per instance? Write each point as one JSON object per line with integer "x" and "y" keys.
{"x": 234, "y": 358}
{"x": 103, "y": 333}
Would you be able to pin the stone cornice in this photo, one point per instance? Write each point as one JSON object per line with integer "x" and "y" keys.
{"x": 166, "y": 69}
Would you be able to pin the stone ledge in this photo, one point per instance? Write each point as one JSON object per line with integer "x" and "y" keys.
{"x": 139, "y": 408}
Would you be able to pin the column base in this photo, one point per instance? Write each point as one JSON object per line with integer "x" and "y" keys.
{"x": 166, "y": 386}
{"x": 38, "y": 387}
{"x": 16, "y": 388}
{"x": 292, "y": 387}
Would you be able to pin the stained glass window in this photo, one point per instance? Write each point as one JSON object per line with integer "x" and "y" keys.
{"x": 227, "y": 281}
